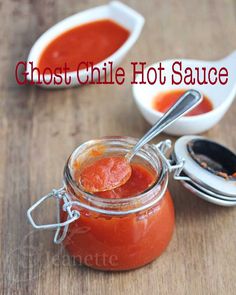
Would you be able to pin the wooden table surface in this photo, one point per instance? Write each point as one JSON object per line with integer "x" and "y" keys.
{"x": 39, "y": 129}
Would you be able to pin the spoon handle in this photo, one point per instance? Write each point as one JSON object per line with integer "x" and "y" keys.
{"x": 184, "y": 104}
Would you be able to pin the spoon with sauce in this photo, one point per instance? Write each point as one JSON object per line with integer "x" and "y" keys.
{"x": 111, "y": 172}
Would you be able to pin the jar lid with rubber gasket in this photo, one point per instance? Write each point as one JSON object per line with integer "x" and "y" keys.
{"x": 209, "y": 169}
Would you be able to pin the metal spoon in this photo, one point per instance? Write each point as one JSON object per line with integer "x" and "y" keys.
{"x": 121, "y": 168}
{"x": 183, "y": 105}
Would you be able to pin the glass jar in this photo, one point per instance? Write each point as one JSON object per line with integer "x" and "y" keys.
{"x": 114, "y": 234}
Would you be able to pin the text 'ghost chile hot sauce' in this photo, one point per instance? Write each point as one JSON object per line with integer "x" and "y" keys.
{"x": 123, "y": 241}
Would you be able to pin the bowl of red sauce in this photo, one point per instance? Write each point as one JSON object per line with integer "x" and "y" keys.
{"x": 198, "y": 120}
{"x": 99, "y": 37}
{"x": 120, "y": 229}
{"x": 153, "y": 99}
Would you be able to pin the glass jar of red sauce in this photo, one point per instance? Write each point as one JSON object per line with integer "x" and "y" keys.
{"x": 120, "y": 232}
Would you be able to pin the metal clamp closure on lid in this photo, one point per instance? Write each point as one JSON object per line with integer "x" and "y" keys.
{"x": 59, "y": 195}
{"x": 175, "y": 167}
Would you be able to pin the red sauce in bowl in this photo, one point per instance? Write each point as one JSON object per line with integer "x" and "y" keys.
{"x": 164, "y": 100}
{"x": 90, "y": 42}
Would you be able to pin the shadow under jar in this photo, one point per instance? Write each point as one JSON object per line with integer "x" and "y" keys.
{"x": 118, "y": 233}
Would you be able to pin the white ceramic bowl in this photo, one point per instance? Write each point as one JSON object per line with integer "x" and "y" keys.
{"x": 221, "y": 96}
{"x": 116, "y": 11}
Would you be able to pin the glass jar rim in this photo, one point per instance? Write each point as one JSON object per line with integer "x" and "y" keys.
{"x": 114, "y": 202}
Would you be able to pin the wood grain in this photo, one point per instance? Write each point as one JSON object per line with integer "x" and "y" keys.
{"x": 39, "y": 129}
